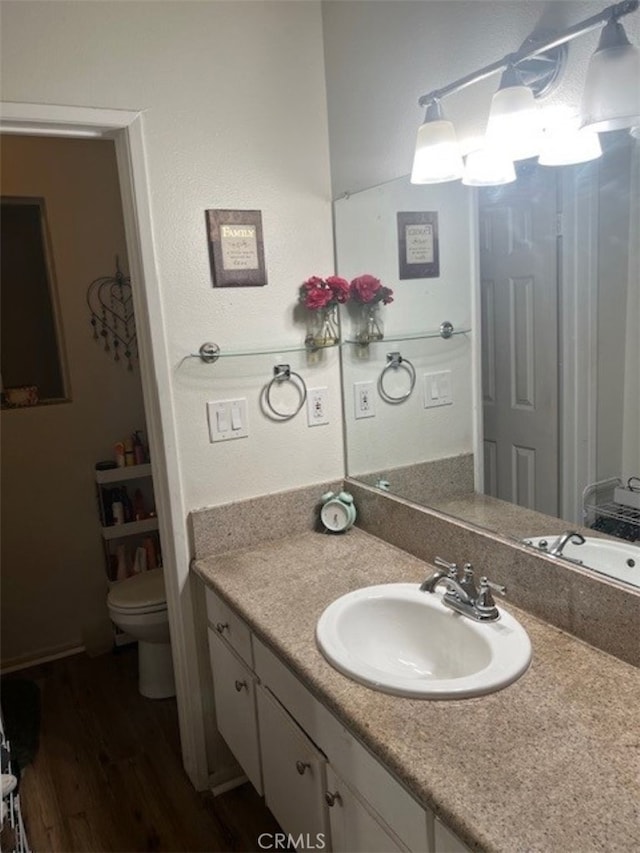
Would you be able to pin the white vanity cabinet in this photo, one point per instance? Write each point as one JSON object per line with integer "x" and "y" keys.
{"x": 317, "y": 778}
{"x": 234, "y": 688}
{"x": 293, "y": 772}
{"x": 353, "y": 825}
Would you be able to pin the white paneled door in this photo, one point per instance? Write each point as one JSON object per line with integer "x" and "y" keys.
{"x": 519, "y": 254}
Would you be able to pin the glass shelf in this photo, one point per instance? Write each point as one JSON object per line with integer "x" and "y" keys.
{"x": 411, "y": 336}
{"x": 210, "y": 353}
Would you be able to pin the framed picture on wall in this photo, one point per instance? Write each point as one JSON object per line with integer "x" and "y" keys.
{"x": 236, "y": 248}
{"x": 418, "y": 255}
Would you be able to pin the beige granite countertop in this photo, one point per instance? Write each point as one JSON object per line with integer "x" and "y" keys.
{"x": 550, "y": 763}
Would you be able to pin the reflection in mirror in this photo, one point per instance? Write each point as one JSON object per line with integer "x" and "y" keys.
{"x": 527, "y": 421}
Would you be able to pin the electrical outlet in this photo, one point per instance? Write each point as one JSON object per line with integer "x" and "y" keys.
{"x": 317, "y": 412}
{"x": 437, "y": 389}
{"x": 364, "y": 399}
{"x": 227, "y": 419}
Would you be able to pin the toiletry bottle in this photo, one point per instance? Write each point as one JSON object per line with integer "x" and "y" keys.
{"x": 138, "y": 448}
{"x": 150, "y": 548}
{"x": 139, "y": 511}
{"x": 127, "y": 505}
{"x": 129, "y": 458}
{"x": 118, "y": 449}
{"x": 117, "y": 507}
{"x": 122, "y": 572}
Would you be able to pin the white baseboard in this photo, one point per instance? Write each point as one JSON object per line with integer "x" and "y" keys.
{"x": 28, "y": 661}
{"x": 229, "y": 785}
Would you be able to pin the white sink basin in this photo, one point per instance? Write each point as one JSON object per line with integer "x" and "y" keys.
{"x": 400, "y": 640}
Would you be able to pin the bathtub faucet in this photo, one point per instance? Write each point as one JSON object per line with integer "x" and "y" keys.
{"x": 568, "y": 536}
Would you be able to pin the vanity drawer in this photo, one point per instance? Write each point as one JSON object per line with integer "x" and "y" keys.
{"x": 350, "y": 759}
{"x": 224, "y": 621}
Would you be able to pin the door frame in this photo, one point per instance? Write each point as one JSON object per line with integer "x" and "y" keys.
{"x": 578, "y": 345}
{"x": 126, "y": 128}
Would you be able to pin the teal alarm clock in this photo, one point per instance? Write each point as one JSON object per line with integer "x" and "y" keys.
{"x": 338, "y": 511}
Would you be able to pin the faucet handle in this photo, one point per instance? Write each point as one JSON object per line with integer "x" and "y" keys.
{"x": 468, "y": 583}
{"x": 485, "y": 600}
{"x": 452, "y": 568}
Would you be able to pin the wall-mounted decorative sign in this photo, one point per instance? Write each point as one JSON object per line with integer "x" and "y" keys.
{"x": 418, "y": 254}
{"x": 236, "y": 248}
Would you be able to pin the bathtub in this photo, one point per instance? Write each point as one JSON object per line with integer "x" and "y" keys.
{"x": 613, "y": 557}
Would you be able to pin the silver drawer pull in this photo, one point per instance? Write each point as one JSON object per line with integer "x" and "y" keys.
{"x": 332, "y": 799}
{"x": 301, "y": 767}
{"x": 241, "y": 685}
{"x": 222, "y": 626}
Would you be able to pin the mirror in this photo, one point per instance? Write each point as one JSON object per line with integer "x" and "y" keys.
{"x": 527, "y": 419}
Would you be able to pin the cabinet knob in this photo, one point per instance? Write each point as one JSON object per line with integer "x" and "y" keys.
{"x": 241, "y": 685}
{"x": 332, "y": 798}
{"x": 301, "y": 767}
{"x": 222, "y": 626}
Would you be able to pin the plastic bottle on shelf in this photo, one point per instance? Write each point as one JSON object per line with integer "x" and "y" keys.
{"x": 118, "y": 449}
{"x": 140, "y": 457}
{"x": 139, "y": 511}
{"x": 117, "y": 507}
{"x": 129, "y": 456}
{"x": 122, "y": 572}
{"x": 126, "y": 503}
{"x": 150, "y": 548}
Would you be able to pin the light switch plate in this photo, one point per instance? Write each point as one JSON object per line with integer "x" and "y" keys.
{"x": 438, "y": 389}
{"x": 227, "y": 419}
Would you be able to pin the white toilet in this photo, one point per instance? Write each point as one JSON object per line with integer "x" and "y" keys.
{"x": 138, "y": 606}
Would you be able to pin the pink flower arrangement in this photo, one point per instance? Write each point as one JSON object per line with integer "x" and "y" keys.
{"x": 367, "y": 290}
{"x": 326, "y": 292}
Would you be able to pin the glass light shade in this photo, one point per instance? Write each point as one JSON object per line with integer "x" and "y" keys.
{"x": 487, "y": 168}
{"x": 515, "y": 123}
{"x": 611, "y": 99}
{"x": 437, "y": 158}
{"x": 569, "y": 145}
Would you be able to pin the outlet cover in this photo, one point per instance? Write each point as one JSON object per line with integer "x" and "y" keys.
{"x": 317, "y": 411}
{"x": 364, "y": 400}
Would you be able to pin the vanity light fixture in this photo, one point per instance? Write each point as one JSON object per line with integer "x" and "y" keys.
{"x": 569, "y": 145}
{"x": 515, "y": 120}
{"x": 611, "y": 101}
{"x": 438, "y": 158}
{"x": 487, "y": 167}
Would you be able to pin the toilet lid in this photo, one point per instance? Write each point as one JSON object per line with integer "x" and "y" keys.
{"x": 143, "y": 590}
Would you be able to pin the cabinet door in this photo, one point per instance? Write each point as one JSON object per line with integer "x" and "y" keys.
{"x": 293, "y": 773}
{"x": 354, "y": 828}
{"x": 446, "y": 841}
{"x": 234, "y": 687}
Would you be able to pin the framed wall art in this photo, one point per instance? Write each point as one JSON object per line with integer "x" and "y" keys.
{"x": 236, "y": 248}
{"x": 418, "y": 255}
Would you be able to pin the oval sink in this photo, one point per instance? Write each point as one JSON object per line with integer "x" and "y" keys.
{"x": 399, "y": 640}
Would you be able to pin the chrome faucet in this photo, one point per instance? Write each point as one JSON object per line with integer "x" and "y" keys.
{"x": 568, "y": 536}
{"x": 462, "y": 595}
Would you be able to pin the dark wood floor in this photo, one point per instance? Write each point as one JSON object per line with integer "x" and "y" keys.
{"x": 108, "y": 773}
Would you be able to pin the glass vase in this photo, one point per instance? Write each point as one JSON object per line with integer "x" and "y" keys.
{"x": 322, "y": 328}
{"x": 369, "y": 326}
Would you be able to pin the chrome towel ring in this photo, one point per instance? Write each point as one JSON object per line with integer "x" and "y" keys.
{"x": 394, "y": 362}
{"x": 283, "y": 373}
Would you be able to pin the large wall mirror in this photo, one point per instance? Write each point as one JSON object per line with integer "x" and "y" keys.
{"x": 530, "y": 410}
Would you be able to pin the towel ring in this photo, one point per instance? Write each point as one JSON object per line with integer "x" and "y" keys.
{"x": 395, "y": 361}
{"x": 283, "y": 373}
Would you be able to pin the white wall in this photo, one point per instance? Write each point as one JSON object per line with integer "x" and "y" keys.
{"x": 382, "y": 56}
{"x": 53, "y": 571}
{"x": 367, "y": 242}
{"x": 233, "y": 96}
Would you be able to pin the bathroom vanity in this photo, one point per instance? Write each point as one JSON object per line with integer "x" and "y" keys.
{"x": 547, "y": 763}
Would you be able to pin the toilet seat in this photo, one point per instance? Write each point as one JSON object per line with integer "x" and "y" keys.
{"x": 143, "y": 593}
